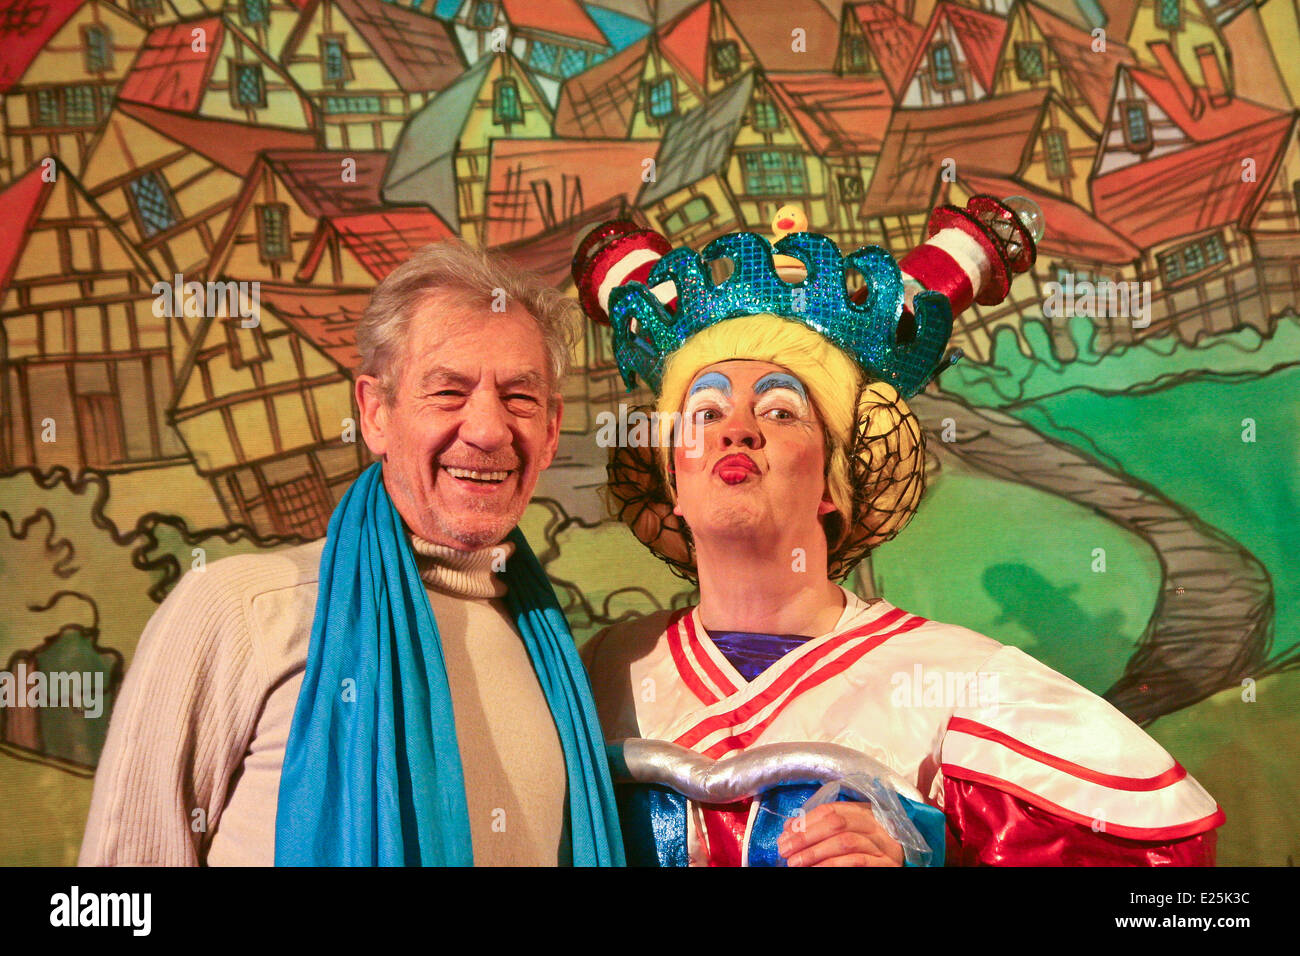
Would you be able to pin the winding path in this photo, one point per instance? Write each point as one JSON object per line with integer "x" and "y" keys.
{"x": 1212, "y": 635}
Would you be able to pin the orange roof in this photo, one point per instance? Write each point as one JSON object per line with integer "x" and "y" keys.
{"x": 22, "y": 202}
{"x": 25, "y": 27}
{"x": 838, "y": 116}
{"x": 567, "y": 175}
{"x": 1071, "y": 231}
{"x": 980, "y": 35}
{"x": 326, "y": 318}
{"x": 563, "y": 17}
{"x": 995, "y": 134}
{"x": 1213, "y": 122}
{"x": 685, "y": 41}
{"x": 549, "y": 254}
{"x": 231, "y": 145}
{"x": 1093, "y": 73}
{"x": 1190, "y": 190}
{"x": 766, "y": 27}
{"x": 168, "y": 73}
{"x": 381, "y": 240}
{"x": 892, "y": 38}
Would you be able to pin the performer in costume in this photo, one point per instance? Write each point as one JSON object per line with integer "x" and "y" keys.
{"x": 795, "y": 454}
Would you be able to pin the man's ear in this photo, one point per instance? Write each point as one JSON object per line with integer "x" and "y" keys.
{"x": 553, "y": 433}
{"x": 826, "y": 507}
{"x": 374, "y": 414}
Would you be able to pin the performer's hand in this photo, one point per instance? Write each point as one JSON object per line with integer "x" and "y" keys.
{"x": 838, "y": 834}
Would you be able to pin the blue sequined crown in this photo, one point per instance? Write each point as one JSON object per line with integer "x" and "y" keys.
{"x": 646, "y": 333}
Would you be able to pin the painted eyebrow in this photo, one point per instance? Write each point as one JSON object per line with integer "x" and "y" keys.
{"x": 711, "y": 380}
{"x": 780, "y": 380}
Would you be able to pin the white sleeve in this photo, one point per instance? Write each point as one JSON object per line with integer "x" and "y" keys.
{"x": 179, "y": 730}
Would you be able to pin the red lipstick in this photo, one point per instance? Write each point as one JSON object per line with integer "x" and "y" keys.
{"x": 735, "y": 468}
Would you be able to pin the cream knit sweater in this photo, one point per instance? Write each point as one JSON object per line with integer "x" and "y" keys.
{"x": 190, "y": 771}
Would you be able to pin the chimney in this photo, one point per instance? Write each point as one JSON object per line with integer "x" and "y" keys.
{"x": 1164, "y": 55}
{"x": 1214, "y": 84}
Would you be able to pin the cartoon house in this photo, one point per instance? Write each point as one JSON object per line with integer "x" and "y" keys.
{"x": 85, "y": 371}
{"x": 267, "y": 23}
{"x": 741, "y": 36}
{"x": 1183, "y": 25}
{"x": 841, "y": 122}
{"x": 635, "y": 92}
{"x": 367, "y": 65}
{"x": 877, "y": 41}
{"x": 60, "y": 63}
{"x": 441, "y": 158}
{"x": 168, "y": 165}
{"x": 268, "y": 416}
{"x": 956, "y": 59}
{"x": 691, "y": 199}
{"x": 551, "y": 41}
{"x": 277, "y": 216}
{"x": 1190, "y": 210}
{"x": 1043, "y": 49}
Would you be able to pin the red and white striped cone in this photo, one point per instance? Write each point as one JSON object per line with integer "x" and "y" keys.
{"x": 613, "y": 253}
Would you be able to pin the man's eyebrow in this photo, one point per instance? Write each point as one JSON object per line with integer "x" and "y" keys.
{"x": 445, "y": 376}
{"x": 530, "y": 379}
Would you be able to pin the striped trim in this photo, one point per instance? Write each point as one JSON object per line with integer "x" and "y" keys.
{"x": 789, "y": 684}
{"x": 1158, "y": 782}
{"x": 715, "y": 674}
{"x": 688, "y": 673}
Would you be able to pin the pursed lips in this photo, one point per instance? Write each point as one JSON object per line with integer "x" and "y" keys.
{"x": 734, "y": 469}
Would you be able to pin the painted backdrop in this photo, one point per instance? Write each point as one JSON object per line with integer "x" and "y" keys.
{"x": 1114, "y": 475}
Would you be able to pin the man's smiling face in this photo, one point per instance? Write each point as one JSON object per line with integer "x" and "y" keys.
{"x": 472, "y": 423}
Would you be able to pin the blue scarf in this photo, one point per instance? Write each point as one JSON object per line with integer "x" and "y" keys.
{"x": 372, "y": 773}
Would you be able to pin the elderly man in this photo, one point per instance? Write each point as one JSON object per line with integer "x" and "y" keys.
{"x": 405, "y": 692}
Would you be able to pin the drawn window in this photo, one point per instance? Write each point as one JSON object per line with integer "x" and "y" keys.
{"x": 690, "y": 213}
{"x": 850, "y": 187}
{"x": 1137, "y": 128}
{"x": 353, "y": 104}
{"x": 1058, "y": 156}
{"x": 505, "y": 102}
{"x": 99, "y": 48}
{"x": 300, "y": 507}
{"x": 273, "y": 232}
{"x": 484, "y": 13}
{"x": 1029, "y": 61}
{"x": 146, "y": 8}
{"x": 856, "y": 59}
{"x": 254, "y": 12}
{"x": 1214, "y": 251}
{"x": 941, "y": 62}
{"x": 542, "y": 56}
{"x": 246, "y": 345}
{"x": 726, "y": 57}
{"x": 155, "y": 209}
{"x": 771, "y": 172}
{"x": 1169, "y": 14}
{"x": 334, "y": 60}
{"x": 249, "y": 87}
{"x": 766, "y": 116}
{"x": 1192, "y": 258}
{"x": 47, "y": 108}
{"x": 572, "y": 61}
{"x": 663, "y": 98}
{"x": 79, "y": 106}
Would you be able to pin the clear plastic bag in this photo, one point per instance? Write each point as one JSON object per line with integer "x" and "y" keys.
{"x": 885, "y": 806}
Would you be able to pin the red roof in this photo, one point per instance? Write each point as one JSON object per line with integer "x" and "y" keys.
{"x": 231, "y": 145}
{"x": 766, "y": 27}
{"x": 1093, "y": 73}
{"x": 563, "y": 17}
{"x": 22, "y": 202}
{"x": 1213, "y": 122}
{"x": 1190, "y": 190}
{"x": 685, "y": 41}
{"x": 567, "y": 175}
{"x": 313, "y": 177}
{"x": 1071, "y": 231}
{"x": 838, "y": 115}
{"x": 168, "y": 73}
{"x": 893, "y": 39}
{"x": 993, "y": 134}
{"x": 980, "y": 35}
{"x": 326, "y": 318}
{"x": 381, "y": 241}
{"x": 25, "y": 27}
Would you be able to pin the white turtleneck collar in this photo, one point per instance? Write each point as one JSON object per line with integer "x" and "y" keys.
{"x": 470, "y": 574}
